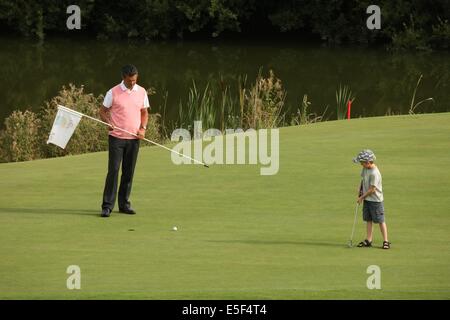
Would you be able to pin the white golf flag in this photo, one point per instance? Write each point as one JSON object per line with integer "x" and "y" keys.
{"x": 63, "y": 127}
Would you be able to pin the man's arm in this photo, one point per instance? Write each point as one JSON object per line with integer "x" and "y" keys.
{"x": 106, "y": 116}
{"x": 144, "y": 121}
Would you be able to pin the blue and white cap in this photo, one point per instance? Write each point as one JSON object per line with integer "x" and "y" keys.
{"x": 365, "y": 156}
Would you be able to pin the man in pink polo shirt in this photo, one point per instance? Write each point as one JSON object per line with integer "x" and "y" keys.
{"x": 125, "y": 106}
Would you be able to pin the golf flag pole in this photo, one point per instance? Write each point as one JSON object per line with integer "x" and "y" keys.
{"x": 79, "y": 114}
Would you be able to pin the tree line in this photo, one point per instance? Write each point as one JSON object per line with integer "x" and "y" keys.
{"x": 414, "y": 24}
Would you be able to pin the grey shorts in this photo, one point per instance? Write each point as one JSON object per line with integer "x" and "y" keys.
{"x": 373, "y": 211}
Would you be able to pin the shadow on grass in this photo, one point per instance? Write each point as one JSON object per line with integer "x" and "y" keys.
{"x": 281, "y": 242}
{"x": 83, "y": 212}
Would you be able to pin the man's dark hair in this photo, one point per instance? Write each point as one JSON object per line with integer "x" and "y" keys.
{"x": 129, "y": 70}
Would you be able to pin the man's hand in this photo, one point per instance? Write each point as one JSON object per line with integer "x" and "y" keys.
{"x": 141, "y": 133}
{"x": 111, "y": 127}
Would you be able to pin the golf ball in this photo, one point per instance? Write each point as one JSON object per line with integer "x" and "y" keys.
{"x": 174, "y": 228}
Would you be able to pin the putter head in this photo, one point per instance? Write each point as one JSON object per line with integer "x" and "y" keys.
{"x": 350, "y": 244}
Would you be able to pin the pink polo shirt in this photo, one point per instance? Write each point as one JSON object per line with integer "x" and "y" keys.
{"x": 125, "y": 109}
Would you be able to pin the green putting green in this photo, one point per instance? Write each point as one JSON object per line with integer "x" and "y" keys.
{"x": 240, "y": 235}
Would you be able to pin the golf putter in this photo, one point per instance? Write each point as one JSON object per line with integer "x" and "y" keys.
{"x": 350, "y": 242}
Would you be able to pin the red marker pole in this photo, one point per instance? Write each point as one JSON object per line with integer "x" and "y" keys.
{"x": 349, "y": 107}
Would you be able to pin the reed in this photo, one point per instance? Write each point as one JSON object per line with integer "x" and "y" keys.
{"x": 343, "y": 96}
{"x": 303, "y": 116}
{"x": 413, "y": 106}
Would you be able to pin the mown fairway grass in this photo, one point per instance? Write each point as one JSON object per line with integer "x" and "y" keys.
{"x": 240, "y": 235}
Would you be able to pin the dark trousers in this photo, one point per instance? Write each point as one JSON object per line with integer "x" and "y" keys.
{"x": 123, "y": 151}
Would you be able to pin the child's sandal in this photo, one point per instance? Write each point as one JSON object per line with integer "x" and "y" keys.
{"x": 365, "y": 243}
{"x": 386, "y": 245}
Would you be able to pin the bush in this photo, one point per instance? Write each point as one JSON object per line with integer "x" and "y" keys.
{"x": 26, "y": 133}
{"x": 89, "y": 136}
{"x": 19, "y": 140}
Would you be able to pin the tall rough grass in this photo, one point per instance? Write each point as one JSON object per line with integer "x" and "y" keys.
{"x": 413, "y": 105}
{"x": 220, "y": 103}
{"x": 303, "y": 116}
{"x": 343, "y": 96}
{"x": 200, "y": 106}
{"x": 218, "y": 106}
{"x": 230, "y": 118}
{"x": 264, "y": 102}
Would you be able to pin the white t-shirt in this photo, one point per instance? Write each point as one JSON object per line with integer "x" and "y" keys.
{"x": 108, "y": 100}
{"x": 372, "y": 177}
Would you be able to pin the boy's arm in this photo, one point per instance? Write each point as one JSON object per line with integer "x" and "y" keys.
{"x": 371, "y": 190}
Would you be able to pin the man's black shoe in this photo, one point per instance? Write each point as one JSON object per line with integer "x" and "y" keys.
{"x": 106, "y": 213}
{"x": 127, "y": 211}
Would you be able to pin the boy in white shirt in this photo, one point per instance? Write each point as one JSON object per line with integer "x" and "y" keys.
{"x": 371, "y": 194}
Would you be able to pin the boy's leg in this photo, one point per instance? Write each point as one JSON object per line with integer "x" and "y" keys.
{"x": 369, "y": 231}
{"x": 367, "y": 217}
{"x": 383, "y": 229}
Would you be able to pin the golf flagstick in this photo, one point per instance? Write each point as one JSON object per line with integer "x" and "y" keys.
{"x": 133, "y": 134}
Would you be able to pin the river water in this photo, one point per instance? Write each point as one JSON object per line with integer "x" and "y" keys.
{"x": 383, "y": 82}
